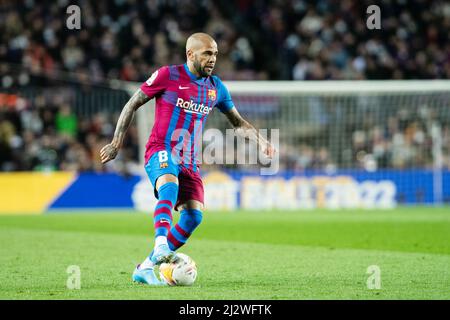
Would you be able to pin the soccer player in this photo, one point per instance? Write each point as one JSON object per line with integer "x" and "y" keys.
{"x": 185, "y": 95}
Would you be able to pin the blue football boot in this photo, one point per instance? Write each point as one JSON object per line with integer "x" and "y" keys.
{"x": 146, "y": 276}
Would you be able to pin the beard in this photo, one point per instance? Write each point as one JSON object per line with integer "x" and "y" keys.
{"x": 201, "y": 71}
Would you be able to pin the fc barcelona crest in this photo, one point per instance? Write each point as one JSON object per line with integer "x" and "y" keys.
{"x": 212, "y": 94}
{"x": 163, "y": 165}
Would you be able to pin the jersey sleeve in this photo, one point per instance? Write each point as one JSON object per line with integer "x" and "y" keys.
{"x": 224, "y": 101}
{"x": 157, "y": 82}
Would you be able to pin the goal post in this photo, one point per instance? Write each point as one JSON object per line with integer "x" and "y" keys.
{"x": 397, "y": 131}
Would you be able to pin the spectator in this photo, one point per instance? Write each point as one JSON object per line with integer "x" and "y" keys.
{"x": 66, "y": 121}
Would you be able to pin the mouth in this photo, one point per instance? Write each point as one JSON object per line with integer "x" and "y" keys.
{"x": 209, "y": 68}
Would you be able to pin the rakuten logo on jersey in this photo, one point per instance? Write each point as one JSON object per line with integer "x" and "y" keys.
{"x": 192, "y": 107}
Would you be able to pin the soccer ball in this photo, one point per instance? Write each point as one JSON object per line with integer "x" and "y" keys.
{"x": 183, "y": 272}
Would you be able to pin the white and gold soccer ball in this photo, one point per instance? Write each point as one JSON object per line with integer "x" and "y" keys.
{"x": 183, "y": 272}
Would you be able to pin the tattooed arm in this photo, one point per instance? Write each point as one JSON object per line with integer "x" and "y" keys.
{"x": 109, "y": 152}
{"x": 243, "y": 128}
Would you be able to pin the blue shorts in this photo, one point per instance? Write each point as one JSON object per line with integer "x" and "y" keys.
{"x": 161, "y": 163}
{"x": 189, "y": 181}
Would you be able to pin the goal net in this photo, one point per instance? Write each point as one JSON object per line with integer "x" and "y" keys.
{"x": 341, "y": 144}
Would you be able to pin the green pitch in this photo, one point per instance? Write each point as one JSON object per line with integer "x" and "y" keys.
{"x": 240, "y": 255}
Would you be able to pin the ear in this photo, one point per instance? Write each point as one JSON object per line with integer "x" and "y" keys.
{"x": 190, "y": 54}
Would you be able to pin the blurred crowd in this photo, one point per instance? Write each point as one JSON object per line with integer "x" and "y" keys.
{"x": 329, "y": 39}
{"x": 410, "y": 138}
{"x": 45, "y": 134}
{"x": 257, "y": 40}
{"x": 284, "y": 39}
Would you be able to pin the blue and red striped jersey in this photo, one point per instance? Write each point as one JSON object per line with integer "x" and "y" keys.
{"x": 183, "y": 103}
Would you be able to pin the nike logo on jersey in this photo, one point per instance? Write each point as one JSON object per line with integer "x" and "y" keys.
{"x": 182, "y": 88}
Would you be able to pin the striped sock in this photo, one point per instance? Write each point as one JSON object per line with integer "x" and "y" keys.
{"x": 178, "y": 235}
{"x": 162, "y": 217}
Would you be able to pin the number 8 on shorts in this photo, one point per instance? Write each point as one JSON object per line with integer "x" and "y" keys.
{"x": 162, "y": 156}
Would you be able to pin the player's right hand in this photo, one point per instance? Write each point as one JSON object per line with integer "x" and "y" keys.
{"x": 108, "y": 152}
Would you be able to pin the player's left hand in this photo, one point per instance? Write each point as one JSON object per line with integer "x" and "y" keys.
{"x": 108, "y": 152}
{"x": 269, "y": 150}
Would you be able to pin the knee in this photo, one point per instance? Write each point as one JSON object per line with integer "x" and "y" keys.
{"x": 165, "y": 179}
